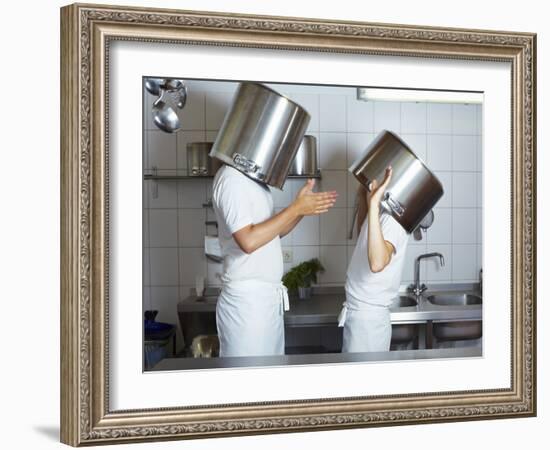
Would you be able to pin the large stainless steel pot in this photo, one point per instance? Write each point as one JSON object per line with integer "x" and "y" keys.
{"x": 413, "y": 190}
{"x": 199, "y": 162}
{"x": 305, "y": 161}
{"x": 261, "y": 133}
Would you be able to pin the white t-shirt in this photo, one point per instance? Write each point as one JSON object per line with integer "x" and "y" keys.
{"x": 378, "y": 288}
{"x": 239, "y": 201}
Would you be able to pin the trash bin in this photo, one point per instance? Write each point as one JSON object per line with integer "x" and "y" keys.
{"x": 157, "y": 337}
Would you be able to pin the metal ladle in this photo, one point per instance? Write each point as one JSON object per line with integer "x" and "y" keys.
{"x": 172, "y": 93}
{"x": 426, "y": 223}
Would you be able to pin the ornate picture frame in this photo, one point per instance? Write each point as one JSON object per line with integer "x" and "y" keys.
{"x": 86, "y": 33}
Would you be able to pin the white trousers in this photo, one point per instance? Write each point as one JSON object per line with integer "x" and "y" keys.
{"x": 367, "y": 327}
{"x": 250, "y": 318}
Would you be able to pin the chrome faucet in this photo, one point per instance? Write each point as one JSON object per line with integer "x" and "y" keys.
{"x": 418, "y": 288}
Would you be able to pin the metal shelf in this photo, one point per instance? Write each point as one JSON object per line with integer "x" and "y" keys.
{"x": 190, "y": 177}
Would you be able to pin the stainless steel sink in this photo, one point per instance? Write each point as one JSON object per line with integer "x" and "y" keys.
{"x": 457, "y": 331}
{"x": 454, "y": 299}
{"x": 403, "y": 301}
{"x": 403, "y": 333}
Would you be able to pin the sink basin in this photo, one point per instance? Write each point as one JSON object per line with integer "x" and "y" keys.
{"x": 454, "y": 299}
{"x": 402, "y": 301}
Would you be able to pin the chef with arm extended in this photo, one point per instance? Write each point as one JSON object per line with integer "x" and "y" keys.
{"x": 374, "y": 273}
{"x": 251, "y": 305}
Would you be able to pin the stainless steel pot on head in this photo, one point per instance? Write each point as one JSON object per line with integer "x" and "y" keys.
{"x": 413, "y": 190}
{"x": 261, "y": 133}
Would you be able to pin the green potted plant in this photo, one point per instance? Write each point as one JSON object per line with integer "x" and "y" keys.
{"x": 300, "y": 277}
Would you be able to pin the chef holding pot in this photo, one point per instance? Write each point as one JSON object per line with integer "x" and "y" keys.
{"x": 257, "y": 143}
{"x": 374, "y": 273}
{"x": 387, "y": 213}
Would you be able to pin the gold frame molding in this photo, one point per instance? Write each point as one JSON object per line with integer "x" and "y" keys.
{"x": 86, "y": 31}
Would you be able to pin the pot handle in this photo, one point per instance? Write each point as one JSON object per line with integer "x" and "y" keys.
{"x": 394, "y": 205}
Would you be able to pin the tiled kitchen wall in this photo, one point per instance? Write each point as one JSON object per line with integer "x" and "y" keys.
{"x": 446, "y": 136}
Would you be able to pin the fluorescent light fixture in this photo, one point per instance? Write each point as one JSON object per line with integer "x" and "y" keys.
{"x": 418, "y": 95}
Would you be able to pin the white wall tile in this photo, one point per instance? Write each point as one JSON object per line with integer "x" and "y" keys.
{"x": 413, "y": 250}
{"x": 282, "y": 198}
{"x": 465, "y": 262}
{"x": 360, "y": 116}
{"x": 146, "y": 267}
{"x": 211, "y": 135}
{"x": 145, "y": 229}
{"x": 192, "y": 262}
{"x": 192, "y": 115}
{"x": 479, "y": 190}
{"x": 217, "y": 105}
{"x": 434, "y": 270}
{"x": 334, "y": 259}
{"x": 332, "y": 109}
{"x": 191, "y": 227}
{"x": 464, "y": 153}
{"x": 183, "y": 138}
{"x": 163, "y": 228}
{"x": 446, "y": 179}
{"x": 306, "y": 232}
{"x": 162, "y": 150}
{"x": 413, "y": 117}
{"x": 387, "y": 116}
{"x": 166, "y": 194}
{"x": 357, "y": 143}
{"x": 464, "y": 189}
{"x": 147, "y": 301}
{"x": 439, "y": 118}
{"x": 479, "y": 223}
{"x": 332, "y": 150}
{"x": 164, "y": 266}
{"x": 440, "y": 152}
{"x": 479, "y": 153}
{"x": 464, "y": 226}
{"x": 335, "y": 180}
{"x": 479, "y": 119}
{"x": 464, "y": 119}
{"x": 191, "y": 193}
{"x": 441, "y": 230}
{"x": 418, "y": 144}
{"x": 304, "y": 253}
{"x": 310, "y": 102}
{"x": 165, "y": 299}
{"x": 333, "y": 230}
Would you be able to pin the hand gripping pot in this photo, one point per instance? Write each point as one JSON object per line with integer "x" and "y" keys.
{"x": 261, "y": 133}
{"x": 413, "y": 190}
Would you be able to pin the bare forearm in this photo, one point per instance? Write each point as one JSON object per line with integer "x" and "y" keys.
{"x": 378, "y": 253}
{"x": 257, "y": 235}
{"x": 291, "y": 226}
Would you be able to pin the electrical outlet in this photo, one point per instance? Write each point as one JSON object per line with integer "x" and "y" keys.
{"x": 287, "y": 256}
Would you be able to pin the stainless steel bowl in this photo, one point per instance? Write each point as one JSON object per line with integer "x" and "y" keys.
{"x": 413, "y": 190}
{"x": 261, "y": 133}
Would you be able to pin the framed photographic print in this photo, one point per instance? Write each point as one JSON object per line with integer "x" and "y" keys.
{"x": 161, "y": 107}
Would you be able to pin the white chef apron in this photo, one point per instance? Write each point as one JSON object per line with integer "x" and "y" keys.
{"x": 250, "y": 318}
{"x": 367, "y": 326}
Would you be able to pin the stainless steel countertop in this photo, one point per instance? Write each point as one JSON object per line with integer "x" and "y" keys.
{"x": 325, "y": 358}
{"x": 325, "y": 304}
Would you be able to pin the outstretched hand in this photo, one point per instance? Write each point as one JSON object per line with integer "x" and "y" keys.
{"x": 310, "y": 203}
